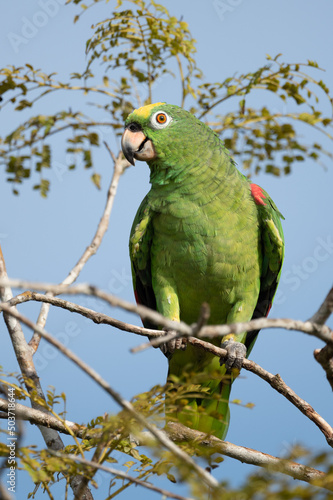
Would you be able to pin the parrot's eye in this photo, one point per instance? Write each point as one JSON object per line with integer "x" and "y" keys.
{"x": 160, "y": 119}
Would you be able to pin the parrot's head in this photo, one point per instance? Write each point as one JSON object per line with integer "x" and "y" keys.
{"x": 161, "y": 133}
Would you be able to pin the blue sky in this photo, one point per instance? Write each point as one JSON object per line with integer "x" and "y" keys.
{"x": 42, "y": 239}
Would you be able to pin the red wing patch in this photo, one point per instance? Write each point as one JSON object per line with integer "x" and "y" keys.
{"x": 258, "y": 194}
{"x": 136, "y": 295}
{"x": 269, "y": 308}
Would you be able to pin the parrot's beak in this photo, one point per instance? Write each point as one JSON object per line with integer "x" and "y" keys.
{"x": 136, "y": 145}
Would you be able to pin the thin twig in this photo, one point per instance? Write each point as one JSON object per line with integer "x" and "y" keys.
{"x": 202, "y": 320}
{"x": 148, "y": 57}
{"x": 121, "y": 474}
{"x": 103, "y": 450}
{"x": 322, "y": 332}
{"x": 324, "y": 357}
{"x": 120, "y": 164}
{"x": 324, "y": 311}
{"x": 182, "y": 79}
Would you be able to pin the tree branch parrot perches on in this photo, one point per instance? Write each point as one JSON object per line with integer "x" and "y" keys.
{"x": 203, "y": 233}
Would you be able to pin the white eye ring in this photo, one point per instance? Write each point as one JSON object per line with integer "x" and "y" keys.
{"x": 155, "y": 120}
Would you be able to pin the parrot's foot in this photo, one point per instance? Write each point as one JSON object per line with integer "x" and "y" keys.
{"x": 236, "y": 354}
{"x": 170, "y": 347}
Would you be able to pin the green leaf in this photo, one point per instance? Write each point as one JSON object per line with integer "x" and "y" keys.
{"x": 96, "y": 178}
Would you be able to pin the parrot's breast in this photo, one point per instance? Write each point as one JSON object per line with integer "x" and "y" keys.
{"x": 209, "y": 254}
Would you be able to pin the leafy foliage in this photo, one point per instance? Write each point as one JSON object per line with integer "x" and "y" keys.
{"x": 112, "y": 441}
{"x": 139, "y": 47}
{"x": 267, "y": 139}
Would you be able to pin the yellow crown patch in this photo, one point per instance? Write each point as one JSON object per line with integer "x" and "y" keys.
{"x": 144, "y": 111}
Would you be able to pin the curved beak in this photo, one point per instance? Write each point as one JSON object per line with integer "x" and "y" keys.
{"x": 136, "y": 145}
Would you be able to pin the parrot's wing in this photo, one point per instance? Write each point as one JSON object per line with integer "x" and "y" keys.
{"x": 140, "y": 245}
{"x": 272, "y": 252}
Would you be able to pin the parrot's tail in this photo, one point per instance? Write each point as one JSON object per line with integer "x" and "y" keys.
{"x": 216, "y": 414}
{"x": 206, "y": 410}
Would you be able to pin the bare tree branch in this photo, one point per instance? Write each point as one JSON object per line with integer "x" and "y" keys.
{"x": 39, "y": 417}
{"x": 4, "y": 495}
{"x": 324, "y": 311}
{"x": 276, "y": 382}
{"x": 324, "y": 356}
{"x": 120, "y": 165}
{"x": 179, "y": 432}
{"x": 322, "y": 332}
{"x": 88, "y": 290}
{"x": 204, "y": 331}
{"x": 95, "y": 316}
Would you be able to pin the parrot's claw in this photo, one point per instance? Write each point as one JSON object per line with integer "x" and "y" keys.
{"x": 172, "y": 345}
{"x": 236, "y": 354}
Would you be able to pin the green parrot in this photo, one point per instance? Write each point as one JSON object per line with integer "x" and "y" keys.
{"x": 203, "y": 234}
